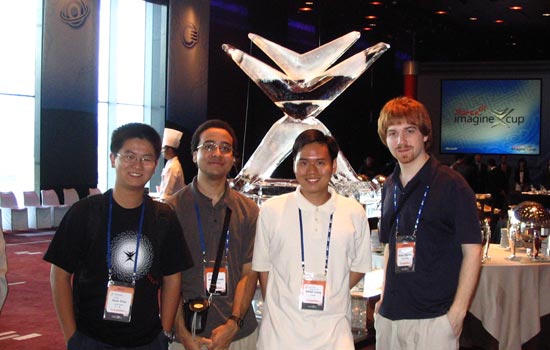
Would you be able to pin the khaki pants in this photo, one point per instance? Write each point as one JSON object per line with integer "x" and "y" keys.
{"x": 247, "y": 343}
{"x": 424, "y": 334}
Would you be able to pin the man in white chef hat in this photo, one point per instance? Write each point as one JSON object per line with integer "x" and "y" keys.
{"x": 172, "y": 179}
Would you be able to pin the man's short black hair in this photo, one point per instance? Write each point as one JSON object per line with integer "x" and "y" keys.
{"x": 218, "y": 124}
{"x": 315, "y": 136}
{"x": 132, "y": 131}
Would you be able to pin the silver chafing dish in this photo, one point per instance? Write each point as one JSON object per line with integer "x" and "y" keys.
{"x": 528, "y": 226}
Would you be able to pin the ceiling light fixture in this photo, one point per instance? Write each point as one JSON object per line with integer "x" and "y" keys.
{"x": 473, "y": 18}
{"x": 515, "y": 8}
{"x": 441, "y": 12}
{"x": 305, "y": 9}
{"x": 371, "y": 17}
{"x": 376, "y": 3}
{"x": 499, "y": 21}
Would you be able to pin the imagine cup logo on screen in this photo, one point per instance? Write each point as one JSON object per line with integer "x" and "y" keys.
{"x": 491, "y": 116}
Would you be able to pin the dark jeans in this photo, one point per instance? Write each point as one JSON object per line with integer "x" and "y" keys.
{"x": 80, "y": 341}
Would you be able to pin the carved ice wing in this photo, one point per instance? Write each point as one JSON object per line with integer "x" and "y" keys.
{"x": 253, "y": 67}
{"x": 354, "y": 66}
{"x": 308, "y": 65}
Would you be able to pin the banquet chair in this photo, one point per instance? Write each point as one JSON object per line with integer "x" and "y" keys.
{"x": 3, "y": 270}
{"x": 13, "y": 217}
{"x": 39, "y": 216}
{"x": 70, "y": 196}
{"x": 50, "y": 199}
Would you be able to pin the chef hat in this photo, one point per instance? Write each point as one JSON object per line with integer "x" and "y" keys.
{"x": 171, "y": 138}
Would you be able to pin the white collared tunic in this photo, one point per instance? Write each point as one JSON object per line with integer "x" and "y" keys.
{"x": 172, "y": 179}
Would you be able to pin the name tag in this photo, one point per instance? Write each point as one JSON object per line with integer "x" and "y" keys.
{"x": 405, "y": 254}
{"x": 221, "y": 282}
{"x": 118, "y": 303}
{"x": 312, "y": 295}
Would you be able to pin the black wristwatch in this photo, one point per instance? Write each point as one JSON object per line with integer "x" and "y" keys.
{"x": 237, "y": 319}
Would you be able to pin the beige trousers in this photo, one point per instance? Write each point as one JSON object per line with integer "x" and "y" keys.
{"x": 424, "y": 334}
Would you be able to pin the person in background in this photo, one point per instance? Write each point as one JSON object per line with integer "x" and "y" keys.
{"x": 507, "y": 171}
{"x": 522, "y": 178}
{"x": 312, "y": 246}
{"x": 369, "y": 169}
{"x": 202, "y": 206}
{"x": 113, "y": 253}
{"x": 496, "y": 184}
{"x": 431, "y": 229}
{"x": 464, "y": 165}
{"x": 479, "y": 183}
{"x": 3, "y": 270}
{"x": 172, "y": 179}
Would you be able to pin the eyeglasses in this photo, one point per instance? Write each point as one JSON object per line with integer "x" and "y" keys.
{"x": 211, "y": 146}
{"x": 131, "y": 158}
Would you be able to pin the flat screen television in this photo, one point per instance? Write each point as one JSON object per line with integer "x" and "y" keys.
{"x": 491, "y": 116}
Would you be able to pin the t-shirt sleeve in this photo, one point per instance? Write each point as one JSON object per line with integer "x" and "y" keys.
{"x": 261, "y": 261}
{"x": 362, "y": 261}
{"x": 466, "y": 215}
{"x": 175, "y": 252}
{"x": 249, "y": 233}
{"x": 68, "y": 244}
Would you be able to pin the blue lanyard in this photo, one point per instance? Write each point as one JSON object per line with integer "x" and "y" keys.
{"x": 201, "y": 235}
{"x": 109, "y": 262}
{"x": 327, "y": 250}
{"x": 420, "y": 209}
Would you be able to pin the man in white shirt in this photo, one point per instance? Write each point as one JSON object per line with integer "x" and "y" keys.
{"x": 311, "y": 247}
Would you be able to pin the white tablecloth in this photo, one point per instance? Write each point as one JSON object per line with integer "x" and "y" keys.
{"x": 511, "y": 297}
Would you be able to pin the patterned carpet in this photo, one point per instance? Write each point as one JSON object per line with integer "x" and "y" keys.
{"x": 28, "y": 319}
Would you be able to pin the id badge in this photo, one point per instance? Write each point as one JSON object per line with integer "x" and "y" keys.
{"x": 118, "y": 303}
{"x": 313, "y": 290}
{"x": 221, "y": 282}
{"x": 405, "y": 254}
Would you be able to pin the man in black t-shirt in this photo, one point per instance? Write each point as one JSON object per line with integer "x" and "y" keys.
{"x": 114, "y": 252}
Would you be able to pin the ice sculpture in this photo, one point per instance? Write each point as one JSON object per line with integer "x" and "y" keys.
{"x": 304, "y": 88}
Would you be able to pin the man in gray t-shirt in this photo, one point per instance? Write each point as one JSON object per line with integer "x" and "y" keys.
{"x": 201, "y": 208}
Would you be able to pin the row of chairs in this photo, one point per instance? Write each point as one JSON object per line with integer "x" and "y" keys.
{"x": 36, "y": 213}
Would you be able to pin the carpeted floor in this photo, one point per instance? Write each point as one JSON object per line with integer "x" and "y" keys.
{"x": 28, "y": 319}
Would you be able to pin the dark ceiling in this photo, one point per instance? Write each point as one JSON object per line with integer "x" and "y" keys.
{"x": 414, "y": 27}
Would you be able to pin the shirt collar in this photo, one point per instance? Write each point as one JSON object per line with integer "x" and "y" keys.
{"x": 423, "y": 177}
{"x": 199, "y": 196}
{"x": 306, "y": 205}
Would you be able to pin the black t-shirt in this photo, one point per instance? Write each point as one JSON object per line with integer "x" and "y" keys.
{"x": 448, "y": 219}
{"x": 80, "y": 247}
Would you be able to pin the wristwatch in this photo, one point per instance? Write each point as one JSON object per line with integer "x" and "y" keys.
{"x": 170, "y": 335}
{"x": 237, "y": 319}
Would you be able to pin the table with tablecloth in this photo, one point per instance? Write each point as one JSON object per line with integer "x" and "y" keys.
{"x": 511, "y": 297}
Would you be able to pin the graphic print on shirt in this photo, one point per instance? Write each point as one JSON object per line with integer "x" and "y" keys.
{"x": 123, "y": 250}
